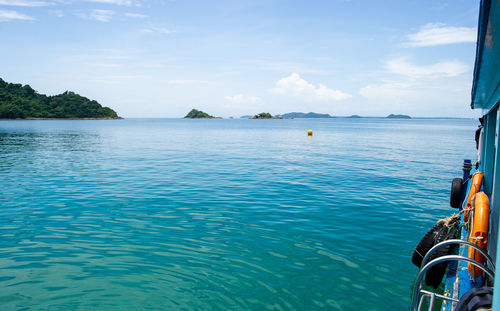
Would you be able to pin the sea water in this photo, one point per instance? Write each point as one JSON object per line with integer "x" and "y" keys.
{"x": 174, "y": 214}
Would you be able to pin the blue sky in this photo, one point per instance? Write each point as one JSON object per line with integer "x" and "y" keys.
{"x": 153, "y": 58}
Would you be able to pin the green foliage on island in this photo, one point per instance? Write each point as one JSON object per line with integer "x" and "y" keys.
{"x": 19, "y": 101}
{"x": 305, "y": 115}
{"x": 198, "y": 114}
{"x": 263, "y": 115}
{"x": 398, "y": 116}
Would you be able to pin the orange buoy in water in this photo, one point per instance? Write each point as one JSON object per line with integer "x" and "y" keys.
{"x": 479, "y": 230}
{"x": 475, "y": 186}
{"x": 310, "y": 133}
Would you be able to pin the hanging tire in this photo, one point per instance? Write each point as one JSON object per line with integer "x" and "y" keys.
{"x": 427, "y": 242}
{"x": 435, "y": 274}
{"x": 456, "y": 192}
{"x": 475, "y": 299}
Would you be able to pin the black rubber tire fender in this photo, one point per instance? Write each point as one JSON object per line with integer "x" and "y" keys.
{"x": 435, "y": 274}
{"x": 456, "y": 192}
{"x": 427, "y": 242}
{"x": 476, "y": 298}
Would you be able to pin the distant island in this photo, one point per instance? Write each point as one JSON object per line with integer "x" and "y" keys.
{"x": 305, "y": 115}
{"x": 198, "y": 114}
{"x": 265, "y": 115}
{"x": 398, "y": 116}
{"x": 19, "y": 101}
{"x": 314, "y": 115}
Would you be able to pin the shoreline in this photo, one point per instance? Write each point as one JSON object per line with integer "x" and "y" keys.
{"x": 34, "y": 118}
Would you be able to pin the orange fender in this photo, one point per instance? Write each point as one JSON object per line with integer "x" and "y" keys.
{"x": 479, "y": 233}
{"x": 477, "y": 180}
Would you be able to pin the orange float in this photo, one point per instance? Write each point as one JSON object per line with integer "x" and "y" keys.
{"x": 477, "y": 180}
{"x": 479, "y": 231}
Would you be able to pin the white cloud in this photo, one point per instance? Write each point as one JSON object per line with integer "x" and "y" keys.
{"x": 24, "y": 3}
{"x": 285, "y": 66}
{"x": 98, "y": 15}
{"x": 187, "y": 81}
{"x": 115, "y": 2}
{"x": 443, "y": 69}
{"x": 389, "y": 90}
{"x": 158, "y": 30}
{"x": 433, "y": 34}
{"x": 6, "y": 16}
{"x": 418, "y": 90}
{"x": 413, "y": 89}
{"x": 239, "y": 99}
{"x": 108, "y": 65}
{"x": 58, "y": 13}
{"x": 294, "y": 85}
{"x": 119, "y": 78}
{"x": 418, "y": 98}
{"x": 136, "y": 15}
{"x": 97, "y": 57}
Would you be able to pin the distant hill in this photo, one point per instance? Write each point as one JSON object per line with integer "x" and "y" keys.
{"x": 198, "y": 114}
{"x": 246, "y": 117}
{"x": 398, "y": 116}
{"x": 306, "y": 115}
{"x": 19, "y": 101}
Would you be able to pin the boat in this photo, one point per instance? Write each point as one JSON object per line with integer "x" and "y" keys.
{"x": 457, "y": 257}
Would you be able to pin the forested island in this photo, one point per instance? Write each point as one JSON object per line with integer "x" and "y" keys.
{"x": 198, "y": 114}
{"x": 265, "y": 115}
{"x": 19, "y": 101}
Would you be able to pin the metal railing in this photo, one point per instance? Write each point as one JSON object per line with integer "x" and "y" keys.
{"x": 432, "y": 296}
{"x": 462, "y": 242}
{"x": 419, "y": 294}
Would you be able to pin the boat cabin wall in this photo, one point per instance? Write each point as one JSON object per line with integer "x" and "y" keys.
{"x": 488, "y": 153}
{"x": 490, "y": 161}
{"x": 491, "y": 182}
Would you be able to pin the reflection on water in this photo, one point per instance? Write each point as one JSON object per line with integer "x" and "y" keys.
{"x": 220, "y": 214}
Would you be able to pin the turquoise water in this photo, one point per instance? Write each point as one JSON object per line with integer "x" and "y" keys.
{"x": 173, "y": 214}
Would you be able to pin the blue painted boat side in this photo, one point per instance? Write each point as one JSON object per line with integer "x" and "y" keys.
{"x": 457, "y": 280}
{"x": 486, "y": 95}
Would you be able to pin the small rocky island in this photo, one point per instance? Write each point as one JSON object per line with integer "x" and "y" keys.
{"x": 265, "y": 115}
{"x": 198, "y": 114}
{"x": 398, "y": 116}
{"x": 19, "y": 101}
